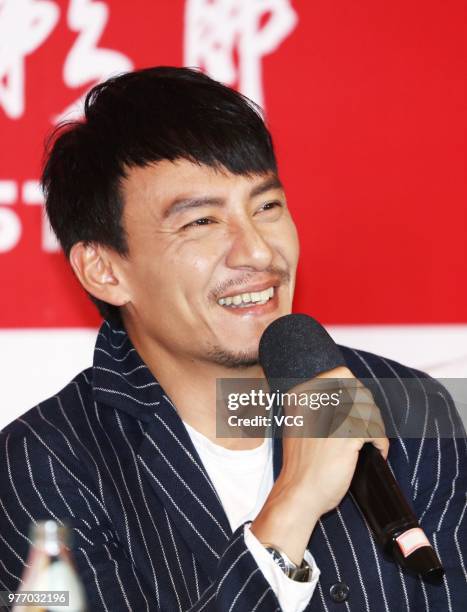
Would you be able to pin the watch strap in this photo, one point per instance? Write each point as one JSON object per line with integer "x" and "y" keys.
{"x": 299, "y": 573}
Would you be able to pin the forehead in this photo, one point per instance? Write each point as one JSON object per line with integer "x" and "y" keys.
{"x": 152, "y": 188}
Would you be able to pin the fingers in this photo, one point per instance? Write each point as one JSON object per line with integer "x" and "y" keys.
{"x": 382, "y": 444}
{"x": 357, "y": 420}
{"x": 355, "y": 416}
{"x": 361, "y": 419}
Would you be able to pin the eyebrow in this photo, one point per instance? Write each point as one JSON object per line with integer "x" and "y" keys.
{"x": 180, "y": 204}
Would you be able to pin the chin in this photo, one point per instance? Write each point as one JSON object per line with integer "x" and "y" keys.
{"x": 233, "y": 358}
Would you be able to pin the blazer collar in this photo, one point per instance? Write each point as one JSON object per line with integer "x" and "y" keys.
{"x": 120, "y": 377}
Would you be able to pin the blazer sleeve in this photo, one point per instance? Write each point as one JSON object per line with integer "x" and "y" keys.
{"x": 40, "y": 479}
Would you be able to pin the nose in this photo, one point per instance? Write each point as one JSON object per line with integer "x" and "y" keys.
{"x": 249, "y": 249}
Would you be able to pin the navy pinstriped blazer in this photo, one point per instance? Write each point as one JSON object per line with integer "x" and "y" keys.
{"x": 110, "y": 455}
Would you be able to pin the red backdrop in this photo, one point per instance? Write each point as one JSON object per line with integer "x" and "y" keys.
{"x": 367, "y": 105}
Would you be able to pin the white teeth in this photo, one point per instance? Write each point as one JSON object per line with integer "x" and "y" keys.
{"x": 258, "y": 297}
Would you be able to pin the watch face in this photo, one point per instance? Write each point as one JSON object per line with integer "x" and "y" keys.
{"x": 279, "y": 559}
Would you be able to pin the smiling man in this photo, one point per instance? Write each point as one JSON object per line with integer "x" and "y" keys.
{"x": 167, "y": 202}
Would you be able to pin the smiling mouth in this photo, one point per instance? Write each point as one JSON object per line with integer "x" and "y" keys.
{"x": 247, "y": 300}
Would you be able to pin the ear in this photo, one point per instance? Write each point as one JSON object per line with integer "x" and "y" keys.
{"x": 93, "y": 265}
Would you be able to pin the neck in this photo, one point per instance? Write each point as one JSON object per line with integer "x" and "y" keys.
{"x": 191, "y": 386}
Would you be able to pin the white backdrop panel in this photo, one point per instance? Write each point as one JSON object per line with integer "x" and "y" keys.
{"x": 35, "y": 364}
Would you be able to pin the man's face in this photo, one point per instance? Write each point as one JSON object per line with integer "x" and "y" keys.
{"x": 212, "y": 259}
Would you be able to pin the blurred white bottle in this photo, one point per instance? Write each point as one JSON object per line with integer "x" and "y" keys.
{"x": 51, "y": 568}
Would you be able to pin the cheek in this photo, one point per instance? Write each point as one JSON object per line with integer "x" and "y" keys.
{"x": 198, "y": 257}
{"x": 151, "y": 278}
{"x": 287, "y": 242}
{"x": 200, "y": 266}
{"x": 189, "y": 270}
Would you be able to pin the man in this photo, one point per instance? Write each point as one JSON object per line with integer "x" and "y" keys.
{"x": 167, "y": 202}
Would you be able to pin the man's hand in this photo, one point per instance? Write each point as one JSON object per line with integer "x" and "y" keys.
{"x": 317, "y": 471}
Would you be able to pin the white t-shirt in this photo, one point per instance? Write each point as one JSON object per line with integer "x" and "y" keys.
{"x": 243, "y": 480}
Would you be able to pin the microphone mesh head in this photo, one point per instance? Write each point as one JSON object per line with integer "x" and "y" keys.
{"x": 296, "y": 346}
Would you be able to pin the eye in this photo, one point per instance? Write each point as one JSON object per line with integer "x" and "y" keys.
{"x": 198, "y": 223}
{"x": 270, "y": 205}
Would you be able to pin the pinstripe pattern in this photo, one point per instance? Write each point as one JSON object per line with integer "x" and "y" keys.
{"x": 110, "y": 456}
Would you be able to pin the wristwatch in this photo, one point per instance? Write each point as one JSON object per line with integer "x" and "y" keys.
{"x": 299, "y": 573}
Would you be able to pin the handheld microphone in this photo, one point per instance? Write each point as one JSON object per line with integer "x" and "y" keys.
{"x": 295, "y": 348}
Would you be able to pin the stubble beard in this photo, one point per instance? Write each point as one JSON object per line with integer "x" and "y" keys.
{"x": 229, "y": 359}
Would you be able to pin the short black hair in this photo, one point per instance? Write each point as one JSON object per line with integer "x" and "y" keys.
{"x": 135, "y": 119}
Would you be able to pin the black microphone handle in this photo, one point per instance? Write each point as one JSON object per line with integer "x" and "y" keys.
{"x": 393, "y": 522}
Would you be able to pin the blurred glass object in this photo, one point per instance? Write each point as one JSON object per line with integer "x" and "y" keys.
{"x": 51, "y": 570}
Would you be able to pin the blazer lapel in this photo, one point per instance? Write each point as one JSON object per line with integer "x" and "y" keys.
{"x": 178, "y": 477}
